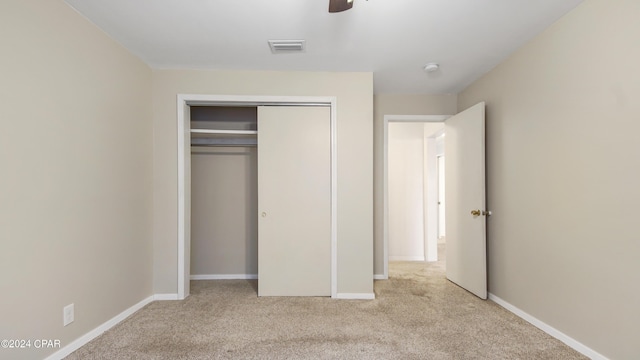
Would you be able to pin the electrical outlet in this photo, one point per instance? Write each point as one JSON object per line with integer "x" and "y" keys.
{"x": 67, "y": 315}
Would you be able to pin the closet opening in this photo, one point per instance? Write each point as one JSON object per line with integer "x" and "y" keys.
{"x": 211, "y": 134}
{"x": 224, "y": 192}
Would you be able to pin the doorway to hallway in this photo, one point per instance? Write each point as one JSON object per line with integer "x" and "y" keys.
{"x": 412, "y": 145}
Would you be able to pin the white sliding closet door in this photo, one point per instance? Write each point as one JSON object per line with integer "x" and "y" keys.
{"x": 294, "y": 200}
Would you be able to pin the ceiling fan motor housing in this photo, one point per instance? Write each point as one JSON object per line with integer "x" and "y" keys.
{"x": 340, "y": 5}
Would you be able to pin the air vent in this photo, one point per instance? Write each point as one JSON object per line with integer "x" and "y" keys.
{"x": 286, "y": 46}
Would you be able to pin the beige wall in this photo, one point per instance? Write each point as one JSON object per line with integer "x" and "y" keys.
{"x": 224, "y": 210}
{"x": 563, "y": 125}
{"x": 354, "y": 92}
{"x": 76, "y": 177}
{"x": 397, "y": 104}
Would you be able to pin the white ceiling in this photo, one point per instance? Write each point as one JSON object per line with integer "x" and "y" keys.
{"x": 392, "y": 38}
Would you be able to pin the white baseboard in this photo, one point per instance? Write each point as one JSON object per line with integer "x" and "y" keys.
{"x": 573, "y": 343}
{"x": 225, "y": 277}
{"x": 406, "y": 258}
{"x": 356, "y": 296}
{"x": 79, "y": 342}
{"x": 165, "y": 297}
{"x": 380, "y": 277}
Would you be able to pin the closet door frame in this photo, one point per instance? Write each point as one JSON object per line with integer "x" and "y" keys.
{"x": 185, "y": 101}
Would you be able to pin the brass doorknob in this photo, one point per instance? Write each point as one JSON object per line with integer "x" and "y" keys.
{"x": 475, "y": 212}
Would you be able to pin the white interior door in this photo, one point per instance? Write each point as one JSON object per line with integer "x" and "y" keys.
{"x": 465, "y": 194}
{"x": 294, "y": 200}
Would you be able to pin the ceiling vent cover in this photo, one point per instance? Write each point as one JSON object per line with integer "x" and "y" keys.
{"x": 286, "y": 46}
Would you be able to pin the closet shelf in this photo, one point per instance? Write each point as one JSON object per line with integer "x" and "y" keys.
{"x": 223, "y": 142}
{"x": 231, "y": 132}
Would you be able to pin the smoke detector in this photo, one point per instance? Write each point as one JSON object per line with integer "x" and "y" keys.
{"x": 431, "y": 67}
{"x": 286, "y": 46}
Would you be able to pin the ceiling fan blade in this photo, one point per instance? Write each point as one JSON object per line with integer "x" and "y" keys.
{"x": 339, "y": 5}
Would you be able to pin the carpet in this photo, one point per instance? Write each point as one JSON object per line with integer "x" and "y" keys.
{"x": 417, "y": 314}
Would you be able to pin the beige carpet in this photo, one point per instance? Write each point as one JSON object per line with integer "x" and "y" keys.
{"x": 417, "y": 314}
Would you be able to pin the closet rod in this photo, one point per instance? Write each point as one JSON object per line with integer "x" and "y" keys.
{"x": 236, "y": 132}
{"x": 223, "y": 145}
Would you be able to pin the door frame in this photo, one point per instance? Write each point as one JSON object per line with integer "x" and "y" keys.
{"x": 385, "y": 179}
{"x": 440, "y": 184}
{"x": 184, "y": 128}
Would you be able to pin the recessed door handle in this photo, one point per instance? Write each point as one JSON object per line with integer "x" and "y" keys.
{"x": 264, "y": 214}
